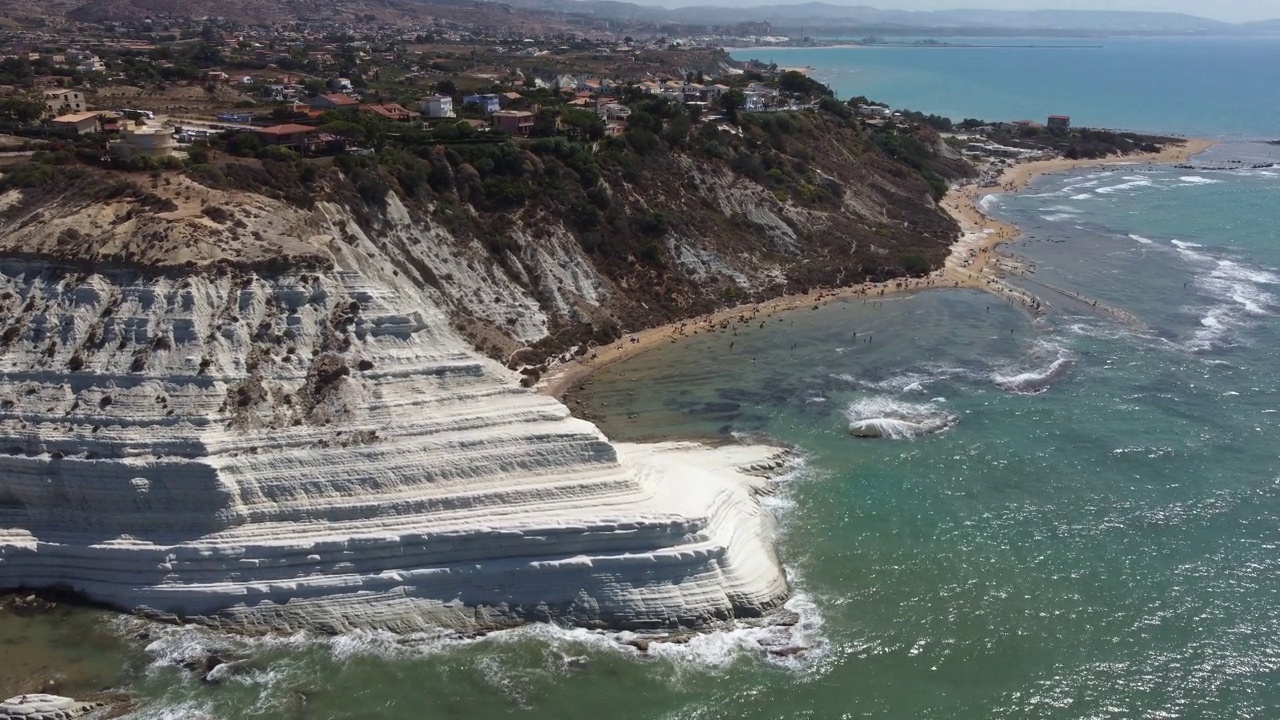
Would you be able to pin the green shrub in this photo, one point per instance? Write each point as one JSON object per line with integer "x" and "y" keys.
{"x": 653, "y": 254}
{"x": 505, "y": 192}
{"x": 914, "y": 264}
{"x": 937, "y": 186}
{"x": 652, "y": 223}
{"x": 278, "y": 153}
{"x": 28, "y": 175}
{"x": 373, "y": 190}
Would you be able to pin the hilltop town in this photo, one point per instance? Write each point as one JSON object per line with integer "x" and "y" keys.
{"x": 134, "y": 80}
{"x": 648, "y": 151}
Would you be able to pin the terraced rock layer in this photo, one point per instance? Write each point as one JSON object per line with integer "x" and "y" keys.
{"x": 319, "y": 450}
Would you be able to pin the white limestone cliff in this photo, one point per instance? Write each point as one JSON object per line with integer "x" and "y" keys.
{"x": 320, "y": 450}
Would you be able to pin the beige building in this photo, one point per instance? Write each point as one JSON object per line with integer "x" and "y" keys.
{"x": 64, "y": 101}
{"x": 144, "y": 142}
{"x": 83, "y": 122}
{"x": 516, "y": 122}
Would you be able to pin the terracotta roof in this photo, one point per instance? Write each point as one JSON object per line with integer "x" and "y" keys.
{"x": 339, "y": 99}
{"x": 285, "y": 129}
{"x": 82, "y": 116}
{"x": 391, "y": 111}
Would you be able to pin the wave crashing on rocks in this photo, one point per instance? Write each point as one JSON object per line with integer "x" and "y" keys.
{"x": 892, "y": 419}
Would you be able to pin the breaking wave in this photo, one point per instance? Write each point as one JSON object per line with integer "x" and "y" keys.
{"x": 882, "y": 417}
{"x": 1132, "y": 184}
{"x": 1197, "y": 180}
{"x": 909, "y": 381}
{"x": 1036, "y": 379}
{"x": 1240, "y": 292}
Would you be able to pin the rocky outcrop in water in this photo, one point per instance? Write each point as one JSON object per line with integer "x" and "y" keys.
{"x": 39, "y": 706}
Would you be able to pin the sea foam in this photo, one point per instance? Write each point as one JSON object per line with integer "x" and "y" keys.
{"x": 1240, "y": 292}
{"x": 1111, "y": 189}
{"x": 884, "y": 417}
{"x": 1038, "y": 377}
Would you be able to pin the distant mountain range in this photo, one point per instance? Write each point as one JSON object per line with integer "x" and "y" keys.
{"x": 829, "y": 16}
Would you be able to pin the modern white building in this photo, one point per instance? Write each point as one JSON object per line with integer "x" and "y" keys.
{"x": 92, "y": 64}
{"x": 438, "y": 106}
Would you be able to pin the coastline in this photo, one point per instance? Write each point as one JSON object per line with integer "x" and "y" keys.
{"x": 969, "y": 265}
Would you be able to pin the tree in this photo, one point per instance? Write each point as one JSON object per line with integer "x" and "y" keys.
{"x": 14, "y": 71}
{"x": 545, "y": 123}
{"x": 206, "y": 55}
{"x": 583, "y": 123}
{"x": 731, "y": 102}
{"x": 447, "y": 87}
{"x": 244, "y": 144}
{"x": 644, "y": 121}
{"x": 677, "y": 130}
{"x": 797, "y": 83}
{"x": 21, "y": 111}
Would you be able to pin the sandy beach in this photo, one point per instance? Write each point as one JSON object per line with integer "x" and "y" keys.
{"x": 970, "y": 265}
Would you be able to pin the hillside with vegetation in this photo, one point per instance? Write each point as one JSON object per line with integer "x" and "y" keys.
{"x": 541, "y": 244}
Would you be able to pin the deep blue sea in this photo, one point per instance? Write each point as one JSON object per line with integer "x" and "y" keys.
{"x": 1076, "y": 517}
{"x": 1205, "y": 87}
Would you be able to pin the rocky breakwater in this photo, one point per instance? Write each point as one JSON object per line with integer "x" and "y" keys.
{"x": 317, "y": 449}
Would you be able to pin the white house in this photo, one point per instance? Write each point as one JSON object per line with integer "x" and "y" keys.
{"x": 438, "y": 106}
{"x": 92, "y": 64}
{"x": 613, "y": 111}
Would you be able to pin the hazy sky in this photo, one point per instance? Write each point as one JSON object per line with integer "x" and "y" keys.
{"x": 1229, "y": 10}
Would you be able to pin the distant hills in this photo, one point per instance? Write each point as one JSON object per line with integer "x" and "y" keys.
{"x": 830, "y": 16}
{"x": 810, "y": 19}
{"x": 1271, "y": 25}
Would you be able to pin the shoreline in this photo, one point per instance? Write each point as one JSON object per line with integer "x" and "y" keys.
{"x": 861, "y": 46}
{"x": 969, "y": 265}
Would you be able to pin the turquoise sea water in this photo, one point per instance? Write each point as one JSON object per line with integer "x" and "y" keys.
{"x": 1194, "y": 86}
{"x": 1093, "y": 532}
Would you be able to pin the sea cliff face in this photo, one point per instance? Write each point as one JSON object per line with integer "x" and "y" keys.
{"x": 318, "y": 448}
{"x": 261, "y": 393}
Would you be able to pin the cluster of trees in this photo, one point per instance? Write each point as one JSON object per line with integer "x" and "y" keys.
{"x": 16, "y": 111}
